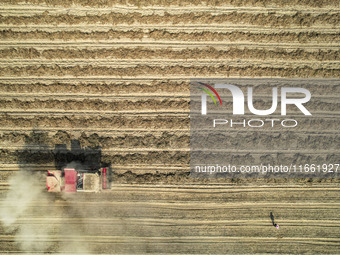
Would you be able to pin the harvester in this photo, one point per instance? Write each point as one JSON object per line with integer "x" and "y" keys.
{"x": 71, "y": 180}
{"x": 78, "y": 170}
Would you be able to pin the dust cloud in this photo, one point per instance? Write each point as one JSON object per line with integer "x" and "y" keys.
{"x": 25, "y": 192}
{"x": 26, "y": 213}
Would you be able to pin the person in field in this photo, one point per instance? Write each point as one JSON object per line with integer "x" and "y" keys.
{"x": 273, "y": 221}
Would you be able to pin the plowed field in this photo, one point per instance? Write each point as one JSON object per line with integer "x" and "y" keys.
{"x": 116, "y": 74}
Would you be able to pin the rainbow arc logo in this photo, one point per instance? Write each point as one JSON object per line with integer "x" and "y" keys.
{"x": 209, "y": 93}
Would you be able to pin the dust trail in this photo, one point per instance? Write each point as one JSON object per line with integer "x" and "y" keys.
{"x": 24, "y": 213}
{"x": 25, "y": 193}
{"x": 24, "y": 188}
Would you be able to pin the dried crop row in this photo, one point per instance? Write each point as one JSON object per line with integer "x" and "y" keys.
{"x": 115, "y": 88}
{"x": 180, "y": 3}
{"x": 153, "y": 105}
{"x": 225, "y": 70}
{"x": 137, "y": 122}
{"x": 165, "y": 139}
{"x": 147, "y": 122}
{"x": 164, "y": 44}
{"x": 185, "y": 28}
{"x": 162, "y": 34}
{"x": 148, "y": 53}
{"x": 164, "y": 157}
{"x": 316, "y": 106}
{"x": 273, "y": 141}
{"x": 30, "y": 156}
{"x": 235, "y": 157}
{"x": 97, "y": 104}
{"x": 76, "y": 132}
{"x": 127, "y": 63}
{"x": 160, "y": 88}
{"x": 114, "y": 18}
{"x": 27, "y": 10}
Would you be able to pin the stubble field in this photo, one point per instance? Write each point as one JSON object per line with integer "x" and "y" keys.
{"x": 116, "y": 74}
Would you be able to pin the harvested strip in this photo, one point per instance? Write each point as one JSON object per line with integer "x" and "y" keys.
{"x": 161, "y": 34}
{"x": 173, "y": 44}
{"x": 99, "y": 88}
{"x": 97, "y": 104}
{"x": 260, "y": 19}
{"x": 226, "y": 70}
{"x": 143, "y": 52}
{"x": 128, "y": 88}
{"x": 140, "y": 105}
{"x": 172, "y": 140}
{"x": 163, "y": 140}
{"x": 317, "y": 123}
{"x": 181, "y": 157}
{"x": 98, "y": 121}
{"x": 124, "y": 63}
{"x": 47, "y": 156}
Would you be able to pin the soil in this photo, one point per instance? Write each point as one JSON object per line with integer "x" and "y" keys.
{"x": 116, "y": 75}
